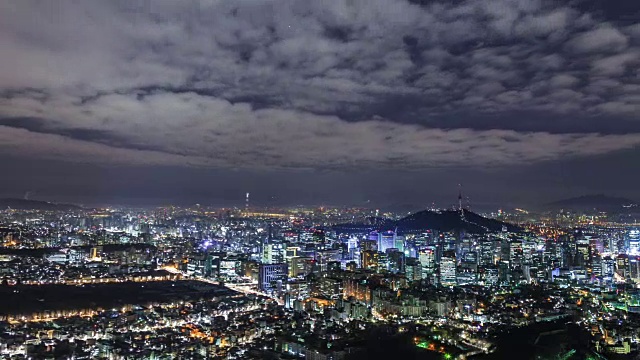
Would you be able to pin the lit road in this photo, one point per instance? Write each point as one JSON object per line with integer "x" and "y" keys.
{"x": 241, "y": 288}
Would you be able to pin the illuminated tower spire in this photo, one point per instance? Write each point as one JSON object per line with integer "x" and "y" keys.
{"x": 460, "y": 208}
{"x": 246, "y": 204}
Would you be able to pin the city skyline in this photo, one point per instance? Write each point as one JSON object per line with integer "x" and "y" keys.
{"x": 341, "y": 102}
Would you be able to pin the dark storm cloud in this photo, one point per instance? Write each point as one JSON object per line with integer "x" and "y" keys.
{"x": 317, "y": 84}
{"x": 41, "y": 126}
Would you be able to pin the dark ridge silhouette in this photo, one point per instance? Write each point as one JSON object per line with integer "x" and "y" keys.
{"x": 22, "y": 204}
{"x": 450, "y": 220}
{"x": 594, "y": 202}
{"x": 439, "y": 220}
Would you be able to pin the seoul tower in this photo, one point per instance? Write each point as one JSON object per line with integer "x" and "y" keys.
{"x": 460, "y": 208}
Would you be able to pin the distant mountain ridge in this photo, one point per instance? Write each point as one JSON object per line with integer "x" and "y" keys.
{"x": 22, "y": 204}
{"x": 439, "y": 220}
{"x": 591, "y": 202}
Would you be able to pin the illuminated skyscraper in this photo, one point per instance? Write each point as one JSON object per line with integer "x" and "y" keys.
{"x": 632, "y": 241}
{"x": 427, "y": 259}
{"x": 387, "y": 240}
{"x": 622, "y": 265}
{"x": 273, "y": 253}
{"x": 608, "y": 268}
{"x": 515, "y": 253}
{"x": 582, "y": 249}
{"x": 487, "y": 252}
{"x": 300, "y": 266}
{"x": 369, "y": 260}
{"x": 634, "y": 268}
{"x": 413, "y": 269}
{"x": 448, "y": 269}
{"x": 272, "y": 277}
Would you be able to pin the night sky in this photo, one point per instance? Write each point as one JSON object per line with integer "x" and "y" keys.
{"x": 358, "y": 102}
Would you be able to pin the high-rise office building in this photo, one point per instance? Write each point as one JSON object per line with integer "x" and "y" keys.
{"x": 632, "y": 241}
{"x": 528, "y": 252}
{"x": 582, "y": 250}
{"x": 413, "y": 269}
{"x": 622, "y": 265}
{"x": 634, "y": 268}
{"x": 487, "y": 252}
{"x": 369, "y": 260}
{"x": 272, "y": 277}
{"x": 387, "y": 240}
{"x": 395, "y": 261}
{"x": 515, "y": 253}
{"x": 608, "y": 268}
{"x": 383, "y": 262}
{"x": 369, "y": 245}
{"x": 595, "y": 267}
{"x": 273, "y": 253}
{"x": 448, "y": 269}
{"x": 300, "y": 266}
{"x": 324, "y": 257}
{"x": 427, "y": 259}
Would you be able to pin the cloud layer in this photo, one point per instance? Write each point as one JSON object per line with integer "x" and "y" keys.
{"x": 320, "y": 84}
